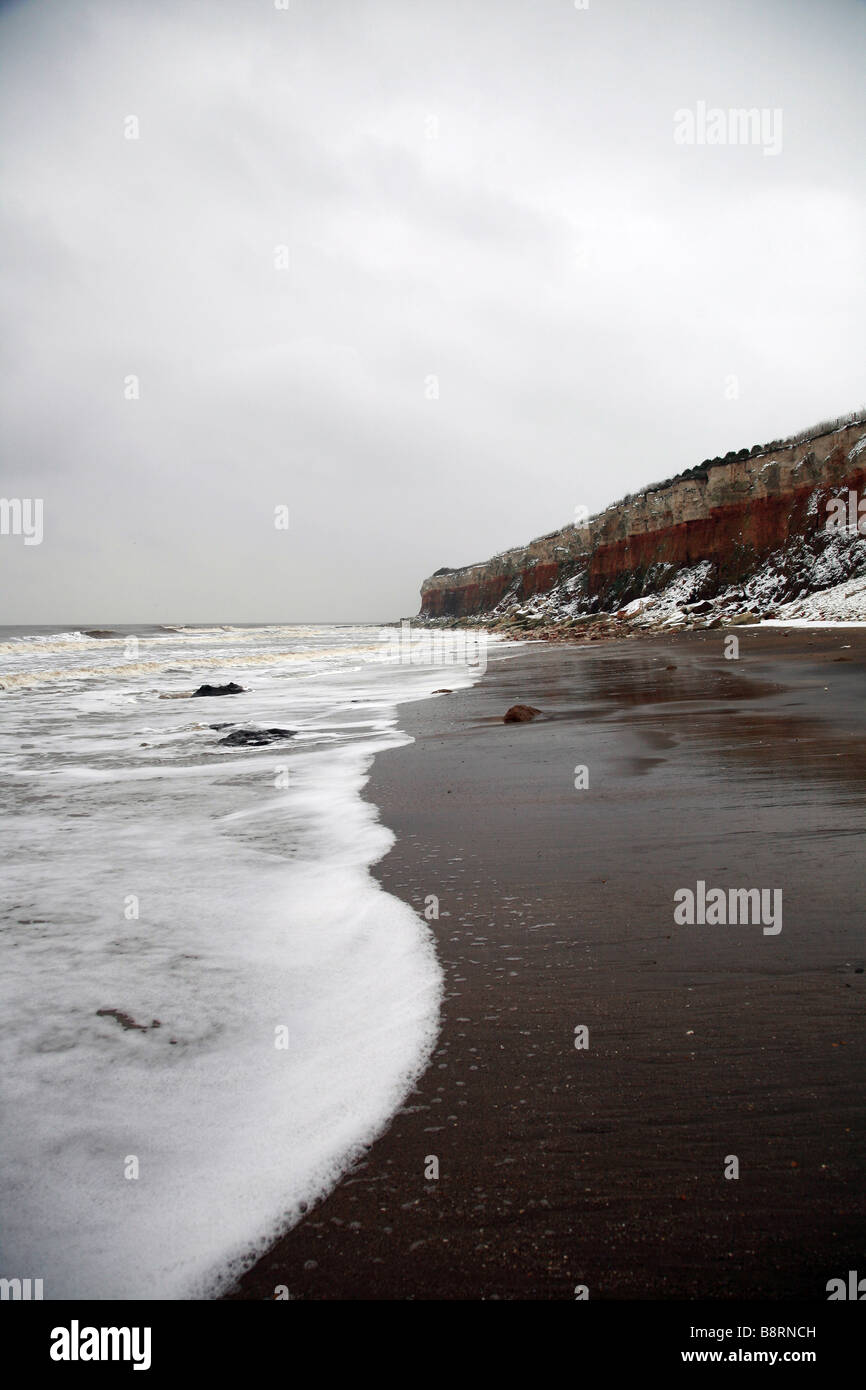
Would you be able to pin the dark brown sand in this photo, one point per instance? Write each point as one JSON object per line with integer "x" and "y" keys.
{"x": 605, "y": 1167}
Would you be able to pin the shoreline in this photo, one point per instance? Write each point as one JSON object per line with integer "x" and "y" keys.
{"x": 604, "y": 1167}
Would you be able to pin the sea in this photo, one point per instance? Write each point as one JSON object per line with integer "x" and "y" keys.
{"x": 208, "y": 1005}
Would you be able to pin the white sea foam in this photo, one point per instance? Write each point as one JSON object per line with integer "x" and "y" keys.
{"x": 256, "y": 912}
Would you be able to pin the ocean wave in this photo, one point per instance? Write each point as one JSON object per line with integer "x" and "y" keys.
{"x": 254, "y": 914}
{"x": 16, "y": 680}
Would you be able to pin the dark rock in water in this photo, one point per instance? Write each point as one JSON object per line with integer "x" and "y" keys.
{"x": 443, "y": 692}
{"x": 520, "y": 714}
{"x": 230, "y": 689}
{"x": 242, "y": 738}
{"x": 101, "y": 632}
{"x": 216, "y": 726}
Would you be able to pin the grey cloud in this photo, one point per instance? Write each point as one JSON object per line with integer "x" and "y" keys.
{"x": 485, "y": 192}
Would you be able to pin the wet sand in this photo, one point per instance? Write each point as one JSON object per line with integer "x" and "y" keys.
{"x": 605, "y": 1166}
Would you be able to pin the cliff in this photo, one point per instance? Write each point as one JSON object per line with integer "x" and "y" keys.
{"x": 753, "y": 517}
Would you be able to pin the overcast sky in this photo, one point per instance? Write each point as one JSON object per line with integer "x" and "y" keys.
{"x": 509, "y": 290}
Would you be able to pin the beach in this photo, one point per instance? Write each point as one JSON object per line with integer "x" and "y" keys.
{"x": 593, "y": 1163}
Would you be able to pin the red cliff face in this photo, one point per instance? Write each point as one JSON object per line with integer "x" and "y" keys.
{"x": 735, "y": 516}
